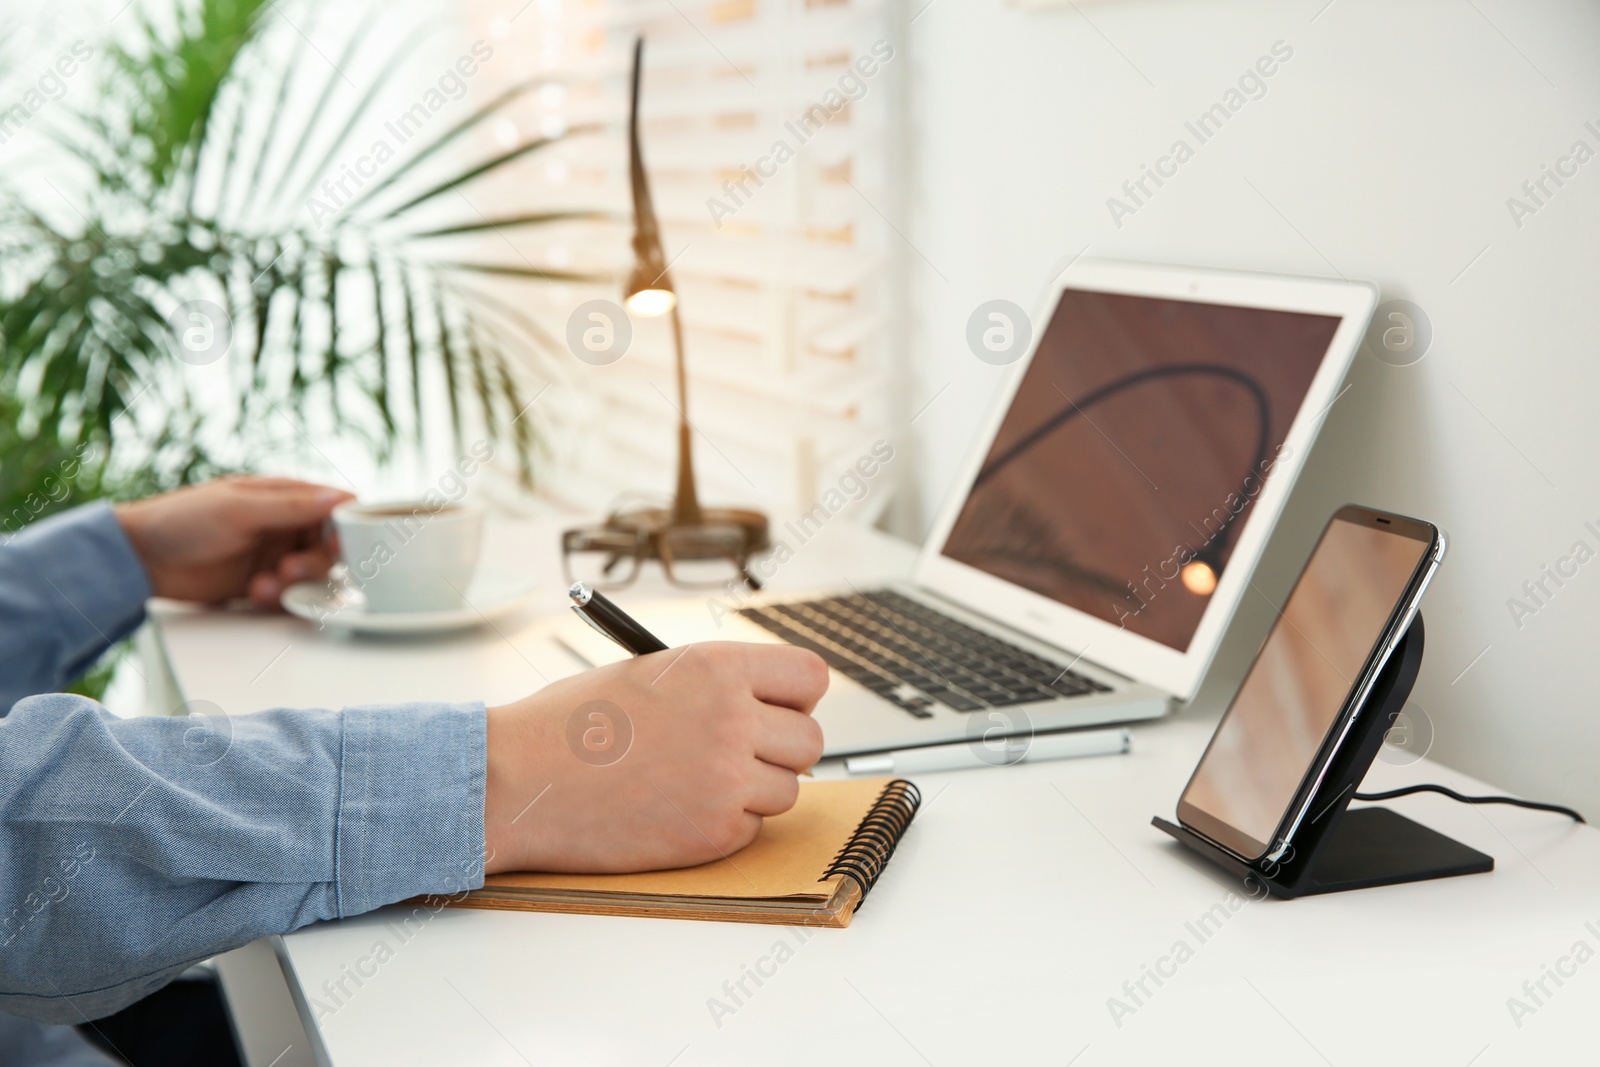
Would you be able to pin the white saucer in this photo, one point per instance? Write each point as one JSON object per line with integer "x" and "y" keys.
{"x": 338, "y": 605}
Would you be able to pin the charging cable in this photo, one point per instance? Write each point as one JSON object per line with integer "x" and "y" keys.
{"x": 1453, "y": 795}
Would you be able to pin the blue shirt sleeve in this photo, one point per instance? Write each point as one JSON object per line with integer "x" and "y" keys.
{"x": 132, "y": 848}
{"x": 70, "y": 587}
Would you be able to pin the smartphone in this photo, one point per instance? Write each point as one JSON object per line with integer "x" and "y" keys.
{"x": 1348, "y": 610}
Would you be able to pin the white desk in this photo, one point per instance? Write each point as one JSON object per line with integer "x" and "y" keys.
{"x": 1020, "y": 902}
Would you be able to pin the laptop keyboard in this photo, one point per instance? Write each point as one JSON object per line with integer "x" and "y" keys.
{"x": 913, "y": 655}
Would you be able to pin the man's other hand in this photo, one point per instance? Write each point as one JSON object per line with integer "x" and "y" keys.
{"x": 233, "y": 537}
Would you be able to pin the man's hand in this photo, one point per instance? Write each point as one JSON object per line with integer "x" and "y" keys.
{"x": 666, "y": 760}
{"x": 233, "y": 537}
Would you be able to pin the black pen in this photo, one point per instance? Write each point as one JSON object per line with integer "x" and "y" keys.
{"x": 611, "y": 621}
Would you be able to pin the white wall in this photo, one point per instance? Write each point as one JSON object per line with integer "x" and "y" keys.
{"x": 1385, "y": 149}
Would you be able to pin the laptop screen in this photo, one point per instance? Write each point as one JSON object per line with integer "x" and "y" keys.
{"x": 1132, "y": 454}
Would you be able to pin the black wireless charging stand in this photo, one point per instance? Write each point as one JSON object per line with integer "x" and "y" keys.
{"x": 1338, "y": 849}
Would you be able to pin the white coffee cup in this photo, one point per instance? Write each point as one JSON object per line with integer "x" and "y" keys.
{"x": 410, "y": 556}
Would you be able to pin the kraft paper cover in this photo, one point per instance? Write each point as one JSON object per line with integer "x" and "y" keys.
{"x": 784, "y": 861}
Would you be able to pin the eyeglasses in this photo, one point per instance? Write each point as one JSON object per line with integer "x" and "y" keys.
{"x": 703, "y": 556}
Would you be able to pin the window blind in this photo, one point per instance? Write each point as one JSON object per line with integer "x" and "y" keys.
{"x": 765, "y": 134}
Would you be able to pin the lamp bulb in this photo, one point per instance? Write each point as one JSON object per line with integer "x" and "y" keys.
{"x": 650, "y": 303}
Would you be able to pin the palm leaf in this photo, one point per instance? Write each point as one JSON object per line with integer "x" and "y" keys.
{"x": 263, "y": 319}
{"x": 485, "y": 167}
{"x": 413, "y": 349}
{"x": 178, "y": 168}
{"x": 258, "y": 186}
{"x": 511, "y": 270}
{"x": 330, "y": 85}
{"x": 294, "y": 350}
{"x": 243, "y": 86}
{"x": 519, "y": 428}
{"x": 380, "y": 318}
{"x": 332, "y": 268}
{"x": 178, "y": 80}
{"x": 480, "y": 379}
{"x": 544, "y": 218}
{"x": 515, "y": 316}
{"x": 448, "y": 359}
{"x": 450, "y": 134}
{"x": 340, "y": 139}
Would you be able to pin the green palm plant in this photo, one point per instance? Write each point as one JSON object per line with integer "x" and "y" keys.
{"x": 200, "y": 146}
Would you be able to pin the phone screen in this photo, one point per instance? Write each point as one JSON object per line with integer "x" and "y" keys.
{"x": 1335, "y": 619}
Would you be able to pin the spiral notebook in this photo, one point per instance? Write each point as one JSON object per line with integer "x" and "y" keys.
{"x": 811, "y": 866}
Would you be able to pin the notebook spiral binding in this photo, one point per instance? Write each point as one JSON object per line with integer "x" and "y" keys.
{"x": 863, "y": 857}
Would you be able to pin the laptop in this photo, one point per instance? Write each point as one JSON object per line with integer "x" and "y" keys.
{"x": 1102, "y": 528}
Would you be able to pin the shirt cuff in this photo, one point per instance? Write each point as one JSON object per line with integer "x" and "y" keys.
{"x": 83, "y": 565}
{"x": 410, "y": 818}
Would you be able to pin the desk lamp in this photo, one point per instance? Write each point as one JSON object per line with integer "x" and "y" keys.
{"x": 697, "y": 546}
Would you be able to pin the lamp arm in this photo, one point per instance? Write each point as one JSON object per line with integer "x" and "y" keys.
{"x": 646, "y": 231}
{"x": 651, "y": 259}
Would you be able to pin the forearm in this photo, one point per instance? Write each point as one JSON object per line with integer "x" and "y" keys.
{"x": 70, "y": 586}
{"x": 129, "y": 849}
